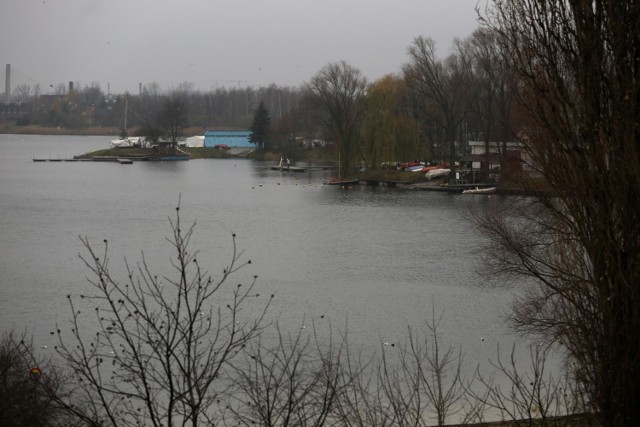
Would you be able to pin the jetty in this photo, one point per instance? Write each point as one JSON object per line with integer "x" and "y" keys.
{"x": 288, "y": 168}
{"x": 123, "y": 160}
{"x": 68, "y": 159}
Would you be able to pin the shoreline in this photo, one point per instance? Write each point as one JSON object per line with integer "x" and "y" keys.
{"x": 372, "y": 177}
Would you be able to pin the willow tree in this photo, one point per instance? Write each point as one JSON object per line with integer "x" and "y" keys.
{"x": 389, "y": 134}
{"x": 578, "y": 65}
{"x": 337, "y": 93}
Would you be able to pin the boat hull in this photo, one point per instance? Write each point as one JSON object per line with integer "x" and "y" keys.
{"x": 342, "y": 182}
{"x": 488, "y": 190}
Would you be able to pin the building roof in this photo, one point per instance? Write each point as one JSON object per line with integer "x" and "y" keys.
{"x": 230, "y": 138}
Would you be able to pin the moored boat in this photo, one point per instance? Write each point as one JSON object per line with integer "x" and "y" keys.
{"x": 342, "y": 182}
{"x": 486, "y": 190}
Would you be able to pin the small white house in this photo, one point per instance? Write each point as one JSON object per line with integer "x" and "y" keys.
{"x": 194, "y": 141}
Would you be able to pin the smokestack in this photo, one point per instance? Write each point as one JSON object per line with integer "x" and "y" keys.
{"x": 140, "y": 88}
{"x": 7, "y": 85}
{"x": 70, "y": 87}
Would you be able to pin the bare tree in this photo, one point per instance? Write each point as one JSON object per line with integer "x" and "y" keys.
{"x": 428, "y": 380}
{"x": 173, "y": 117}
{"x": 529, "y": 395}
{"x": 439, "y": 372}
{"x": 443, "y": 88}
{"x": 362, "y": 401}
{"x": 294, "y": 382}
{"x": 22, "y": 93}
{"x": 495, "y": 82}
{"x": 152, "y": 350}
{"x": 338, "y": 92}
{"x": 579, "y": 80}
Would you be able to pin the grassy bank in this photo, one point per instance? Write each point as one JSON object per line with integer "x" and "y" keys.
{"x": 194, "y": 153}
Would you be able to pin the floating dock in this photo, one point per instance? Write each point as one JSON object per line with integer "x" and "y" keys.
{"x": 288, "y": 168}
{"x": 60, "y": 160}
{"x": 122, "y": 160}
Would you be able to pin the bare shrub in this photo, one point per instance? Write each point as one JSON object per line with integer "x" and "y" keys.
{"x": 160, "y": 345}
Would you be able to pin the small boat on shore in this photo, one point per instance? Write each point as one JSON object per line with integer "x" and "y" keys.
{"x": 437, "y": 173}
{"x": 126, "y": 142}
{"x": 486, "y": 190}
{"x": 434, "y": 167}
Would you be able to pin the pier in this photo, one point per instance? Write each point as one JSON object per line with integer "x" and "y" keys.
{"x": 126, "y": 160}
{"x": 61, "y": 160}
{"x": 288, "y": 168}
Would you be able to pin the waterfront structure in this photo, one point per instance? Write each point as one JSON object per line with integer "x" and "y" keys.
{"x": 228, "y": 138}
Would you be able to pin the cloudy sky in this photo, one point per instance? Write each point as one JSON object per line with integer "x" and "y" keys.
{"x": 214, "y": 43}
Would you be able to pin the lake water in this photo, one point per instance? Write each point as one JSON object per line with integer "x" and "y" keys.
{"x": 370, "y": 258}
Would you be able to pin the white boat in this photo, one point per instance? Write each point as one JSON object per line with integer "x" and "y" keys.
{"x": 125, "y": 140}
{"x": 129, "y": 141}
{"x": 487, "y": 190}
{"x": 437, "y": 173}
{"x": 193, "y": 141}
{"x": 416, "y": 168}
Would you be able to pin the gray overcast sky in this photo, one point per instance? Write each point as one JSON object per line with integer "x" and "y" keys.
{"x": 211, "y": 43}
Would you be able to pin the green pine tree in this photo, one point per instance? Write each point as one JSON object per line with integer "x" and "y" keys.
{"x": 260, "y": 127}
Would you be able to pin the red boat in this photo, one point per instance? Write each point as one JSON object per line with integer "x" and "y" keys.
{"x": 430, "y": 168}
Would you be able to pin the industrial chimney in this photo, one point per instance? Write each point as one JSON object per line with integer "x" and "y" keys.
{"x": 7, "y": 85}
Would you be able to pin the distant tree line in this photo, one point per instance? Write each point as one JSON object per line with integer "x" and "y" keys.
{"x": 428, "y": 110}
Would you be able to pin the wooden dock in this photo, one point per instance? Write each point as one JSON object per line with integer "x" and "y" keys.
{"x": 384, "y": 183}
{"x": 121, "y": 160}
{"x": 59, "y": 160}
{"x": 288, "y": 168}
{"x": 321, "y": 168}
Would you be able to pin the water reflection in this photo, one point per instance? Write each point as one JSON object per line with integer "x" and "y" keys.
{"x": 372, "y": 258}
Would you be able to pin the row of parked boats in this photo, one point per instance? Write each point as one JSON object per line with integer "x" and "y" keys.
{"x": 430, "y": 171}
{"x": 440, "y": 170}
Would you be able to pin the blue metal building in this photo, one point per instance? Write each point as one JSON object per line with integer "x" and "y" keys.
{"x": 232, "y": 138}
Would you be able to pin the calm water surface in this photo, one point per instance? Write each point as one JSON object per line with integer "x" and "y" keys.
{"x": 370, "y": 258}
